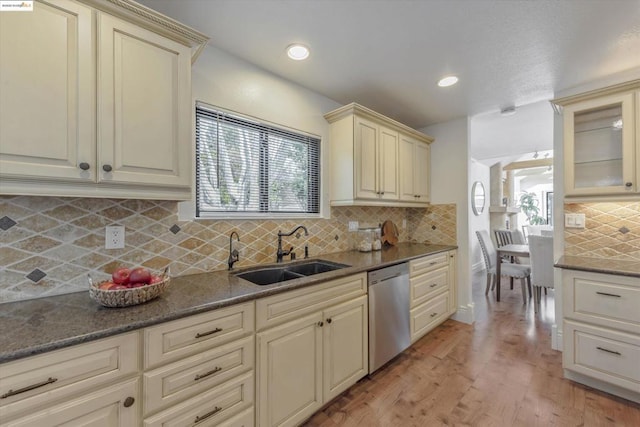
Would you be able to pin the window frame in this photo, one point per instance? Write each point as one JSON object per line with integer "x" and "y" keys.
{"x": 193, "y": 207}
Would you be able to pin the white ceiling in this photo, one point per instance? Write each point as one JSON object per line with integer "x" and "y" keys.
{"x": 388, "y": 55}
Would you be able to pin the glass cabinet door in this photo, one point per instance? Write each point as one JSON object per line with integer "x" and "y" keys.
{"x": 599, "y": 146}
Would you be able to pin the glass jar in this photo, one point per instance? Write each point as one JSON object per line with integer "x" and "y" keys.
{"x": 364, "y": 239}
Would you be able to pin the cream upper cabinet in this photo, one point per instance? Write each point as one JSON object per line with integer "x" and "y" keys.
{"x": 47, "y": 99}
{"x": 376, "y": 154}
{"x": 414, "y": 174}
{"x": 99, "y": 104}
{"x": 367, "y": 161}
{"x": 601, "y": 144}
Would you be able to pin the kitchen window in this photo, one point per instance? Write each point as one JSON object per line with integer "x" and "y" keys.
{"x": 251, "y": 168}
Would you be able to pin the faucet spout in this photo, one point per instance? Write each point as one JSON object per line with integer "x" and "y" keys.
{"x": 280, "y": 254}
{"x": 234, "y": 255}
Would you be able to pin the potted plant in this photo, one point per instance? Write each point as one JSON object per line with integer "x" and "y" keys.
{"x": 529, "y": 206}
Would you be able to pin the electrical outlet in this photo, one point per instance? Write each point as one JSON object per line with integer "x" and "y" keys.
{"x": 114, "y": 237}
{"x": 353, "y": 225}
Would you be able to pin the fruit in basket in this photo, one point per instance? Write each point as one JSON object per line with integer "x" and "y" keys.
{"x": 106, "y": 285}
{"x": 155, "y": 279}
{"x": 118, "y": 287}
{"x": 121, "y": 276}
{"x": 140, "y": 275}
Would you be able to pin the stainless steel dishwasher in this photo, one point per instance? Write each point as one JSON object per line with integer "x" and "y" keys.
{"x": 389, "y": 332}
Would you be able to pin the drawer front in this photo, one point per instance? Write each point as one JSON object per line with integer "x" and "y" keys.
{"x": 243, "y": 419}
{"x": 604, "y": 354}
{"x": 209, "y": 408}
{"x": 426, "y": 286}
{"x": 180, "y": 380}
{"x": 427, "y": 316}
{"x": 105, "y": 407}
{"x": 279, "y": 308}
{"x": 428, "y": 263}
{"x": 603, "y": 300}
{"x": 175, "y": 340}
{"x": 64, "y": 372}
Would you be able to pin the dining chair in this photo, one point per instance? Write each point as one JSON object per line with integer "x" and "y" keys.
{"x": 516, "y": 271}
{"x": 541, "y": 255}
{"x": 503, "y": 237}
{"x": 546, "y": 233}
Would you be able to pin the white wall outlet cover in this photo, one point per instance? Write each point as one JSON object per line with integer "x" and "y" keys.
{"x": 353, "y": 225}
{"x": 114, "y": 237}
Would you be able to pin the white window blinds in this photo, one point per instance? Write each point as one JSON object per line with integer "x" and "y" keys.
{"x": 251, "y": 167}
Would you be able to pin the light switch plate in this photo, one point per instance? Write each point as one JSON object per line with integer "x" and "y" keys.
{"x": 574, "y": 220}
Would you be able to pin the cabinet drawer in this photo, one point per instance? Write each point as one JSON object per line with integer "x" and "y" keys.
{"x": 105, "y": 407}
{"x": 428, "y": 263}
{"x": 174, "y": 340}
{"x": 427, "y": 316}
{"x": 427, "y": 285}
{"x": 64, "y": 372}
{"x": 180, "y": 380}
{"x": 603, "y": 300}
{"x": 279, "y": 308}
{"x": 601, "y": 353}
{"x": 209, "y": 408}
{"x": 243, "y": 419}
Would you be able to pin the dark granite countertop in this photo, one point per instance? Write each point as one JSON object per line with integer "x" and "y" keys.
{"x": 600, "y": 265}
{"x": 40, "y": 325}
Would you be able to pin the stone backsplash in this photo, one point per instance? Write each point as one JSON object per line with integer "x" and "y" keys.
{"x": 48, "y": 245}
{"x": 612, "y": 231}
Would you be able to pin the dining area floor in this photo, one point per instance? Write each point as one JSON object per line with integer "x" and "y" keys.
{"x": 501, "y": 371}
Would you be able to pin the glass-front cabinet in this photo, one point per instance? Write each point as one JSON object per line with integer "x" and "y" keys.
{"x": 601, "y": 147}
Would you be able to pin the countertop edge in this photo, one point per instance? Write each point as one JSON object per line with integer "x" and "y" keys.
{"x": 597, "y": 265}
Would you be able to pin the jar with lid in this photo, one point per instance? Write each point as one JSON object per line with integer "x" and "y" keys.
{"x": 368, "y": 239}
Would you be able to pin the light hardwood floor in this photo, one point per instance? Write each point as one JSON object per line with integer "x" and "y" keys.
{"x": 501, "y": 371}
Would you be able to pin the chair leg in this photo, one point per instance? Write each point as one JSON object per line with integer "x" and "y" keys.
{"x": 489, "y": 277}
{"x": 536, "y": 299}
{"x": 529, "y": 286}
{"x": 524, "y": 291}
{"x": 511, "y": 282}
{"x": 545, "y": 291}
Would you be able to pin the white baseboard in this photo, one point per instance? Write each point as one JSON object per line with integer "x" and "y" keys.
{"x": 465, "y": 314}
{"x": 556, "y": 338}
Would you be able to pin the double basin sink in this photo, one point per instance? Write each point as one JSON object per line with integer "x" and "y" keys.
{"x": 277, "y": 274}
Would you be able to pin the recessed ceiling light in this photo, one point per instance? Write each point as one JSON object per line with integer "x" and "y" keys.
{"x": 298, "y": 52}
{"x": 448, "y": 81}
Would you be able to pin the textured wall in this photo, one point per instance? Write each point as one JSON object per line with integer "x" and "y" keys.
{"x": 612, "y": 230}
{"x": 49, "y": 244}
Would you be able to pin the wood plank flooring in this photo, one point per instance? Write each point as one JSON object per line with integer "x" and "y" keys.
{"x": 501, "y": 371}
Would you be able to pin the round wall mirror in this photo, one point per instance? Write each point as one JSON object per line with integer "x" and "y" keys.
{"x": 477, "y": 198}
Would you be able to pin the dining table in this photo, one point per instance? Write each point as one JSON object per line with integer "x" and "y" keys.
{"x": 512, "y": 250}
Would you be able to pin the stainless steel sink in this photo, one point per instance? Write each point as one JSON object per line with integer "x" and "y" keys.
{"x": 277, "y": 274}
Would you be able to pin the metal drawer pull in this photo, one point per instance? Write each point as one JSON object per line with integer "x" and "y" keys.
{"x": 609, "y": 351}
{"x": 206, "y": 374}
{"x": 28, "y": 388}
{"x": 204, "y": 334}
{"x": 433, "y": 285}
{"x": 207, "y": 415}
{"x": 434, "y": 314}
{"x": 609, "y": 295}
{"x": 433, "y": 262}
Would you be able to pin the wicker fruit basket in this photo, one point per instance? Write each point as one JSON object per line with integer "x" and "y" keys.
{"x": 130, "y": 296}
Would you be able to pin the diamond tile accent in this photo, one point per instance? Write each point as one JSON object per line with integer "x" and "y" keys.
{"x": 611, "y": 231}
{"x": 36, "y": 275}
{"x": 65, "y": 238}
{"x": 6, "y": 223}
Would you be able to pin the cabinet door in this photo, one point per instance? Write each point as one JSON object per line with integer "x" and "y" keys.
{"x": 421, "y": 167}
{"x": 388, "y": 164}
{"x": 107, "y": 407}
{"x": 289, "y": 372}
{"x": 453, "y": 282}
{"x": 599, "y": 146}
{"x": 346, "y": 346}
{"x": 366, "y": 159}
{"x": 47, "y": 92}
{"x": 144, "y": 106}
{"x": 407, "y": 192}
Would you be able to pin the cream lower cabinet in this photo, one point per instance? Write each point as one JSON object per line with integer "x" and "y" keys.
{"x": 100, "y": 103}
{"x": 199, "y": 370}
{"x": 432, "y": 291}
{"x": 601, "y": 331}
{"x": 317, "y": 349}
{"x": 85, "y": 385}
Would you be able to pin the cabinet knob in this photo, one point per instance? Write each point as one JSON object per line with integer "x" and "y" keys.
{"x": 382, "y": 193}
{"x": 128, "y": 401}
{"x": 107, "y": 168}
{"x": 329, "y": 320}
{"x": 628, "y": 184}
{"x": 84, "y": 166}
{"x": 320, "y": 324}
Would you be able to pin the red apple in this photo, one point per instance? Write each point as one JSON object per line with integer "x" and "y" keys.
{"x": 136, "y": 285}
{"x": 140, "y": 275}
{"x": 106, "y": 285}
{"x": 155, "y": 279}
{"x": 117, "y": 287}
{"x": 121, "y": 276}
